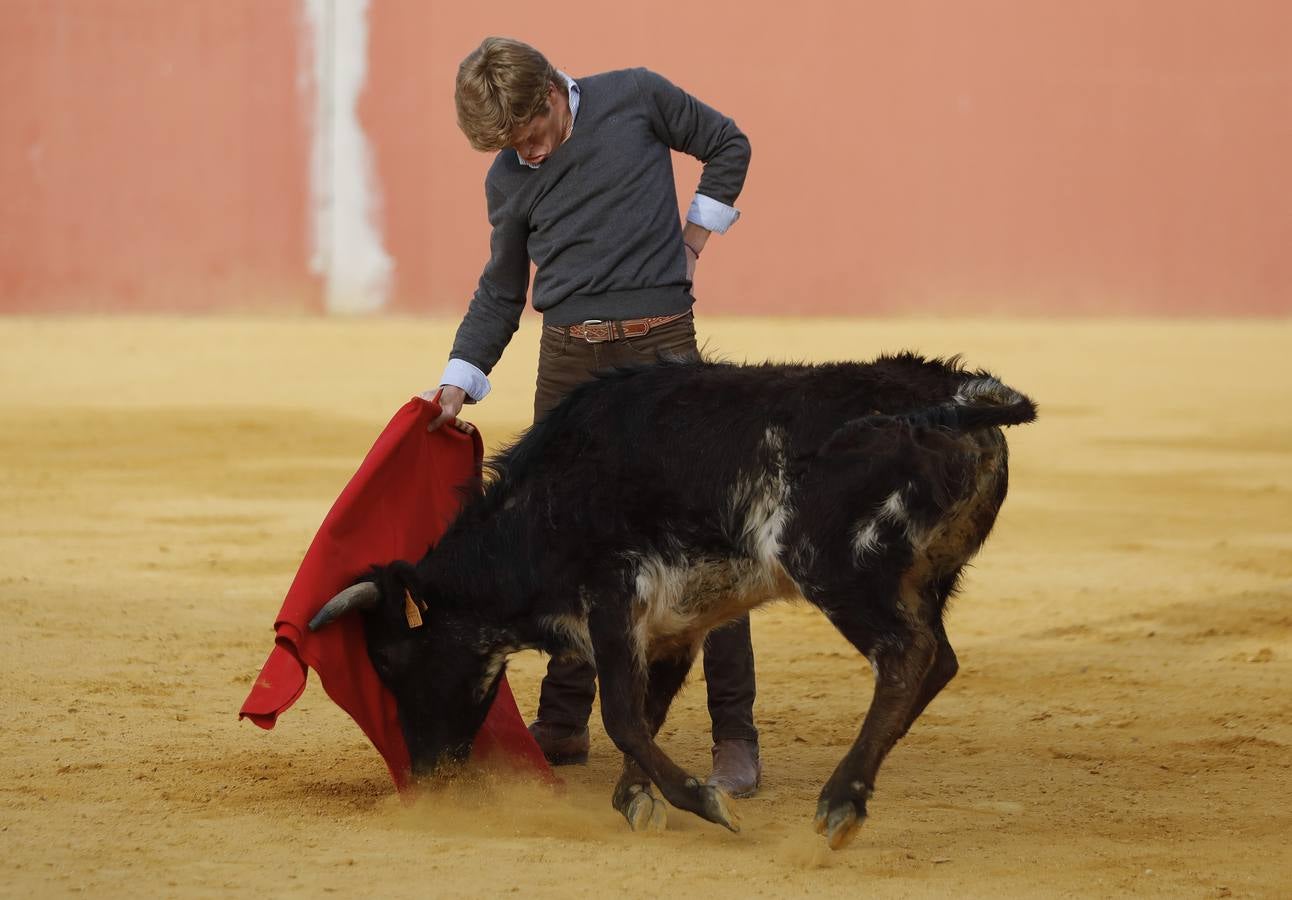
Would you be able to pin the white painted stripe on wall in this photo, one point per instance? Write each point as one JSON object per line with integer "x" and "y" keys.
{"x": 347, "y": 247}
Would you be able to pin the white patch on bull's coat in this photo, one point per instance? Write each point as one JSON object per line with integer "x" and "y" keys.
{"x": 678, "y": 596}
{"x": 683, "y": 600}
{"x": 866, "y": 537}
{"x": 660, "y": 591}
{"x": 759, "y": 504}
{"x": 575, "y": 631}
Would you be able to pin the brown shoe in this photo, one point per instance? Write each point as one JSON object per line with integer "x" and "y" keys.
{"x": 736, "y": 767}
{"x": 563, "y": 745}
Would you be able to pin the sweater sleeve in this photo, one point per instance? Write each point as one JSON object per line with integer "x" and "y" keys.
{"x": 494, "y": 313}
{"x": 686, "y": 124}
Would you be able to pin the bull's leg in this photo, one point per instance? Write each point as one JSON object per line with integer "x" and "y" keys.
{"x": 623, "y": 710}
{"x": 944, "y": 668}
{"x": 902, "y": 656}
{"x": 945, "y": 665}
{"x": 633, "y": 795}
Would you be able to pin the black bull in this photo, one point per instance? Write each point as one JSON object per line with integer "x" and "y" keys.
{"x": 656, "y": 504}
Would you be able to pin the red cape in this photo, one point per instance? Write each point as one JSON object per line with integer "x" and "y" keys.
{"x": 400, "y": 502}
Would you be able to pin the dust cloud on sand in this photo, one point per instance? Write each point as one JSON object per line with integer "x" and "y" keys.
{"x": 1122, "y": 722}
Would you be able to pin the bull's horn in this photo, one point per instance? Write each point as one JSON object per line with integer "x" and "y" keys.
{"x": 363, "y": 595}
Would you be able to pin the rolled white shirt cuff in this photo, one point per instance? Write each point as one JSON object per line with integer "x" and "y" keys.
{"x": 461, "y": 373}
{"x": 712, "y": 215}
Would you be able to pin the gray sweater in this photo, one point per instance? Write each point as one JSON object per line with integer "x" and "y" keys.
{"x": 599, "y": 217}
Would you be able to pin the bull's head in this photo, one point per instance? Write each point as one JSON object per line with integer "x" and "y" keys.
{"x": 441, "y": 673}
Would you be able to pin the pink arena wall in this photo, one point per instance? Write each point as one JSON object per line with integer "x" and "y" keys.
{"x": 1030, "y": 156}
{"x": 153, "y": 156}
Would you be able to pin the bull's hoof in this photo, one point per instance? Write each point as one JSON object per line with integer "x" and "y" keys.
{"x": 839, "y": 823}
{"x": 643, "y": 810}
{"x": 719, "y": 808}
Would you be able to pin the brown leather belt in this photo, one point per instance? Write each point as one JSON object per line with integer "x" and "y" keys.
{"x": 595, "y": 331}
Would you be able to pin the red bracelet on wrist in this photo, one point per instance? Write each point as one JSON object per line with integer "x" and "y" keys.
{"x": 692, "y": 249}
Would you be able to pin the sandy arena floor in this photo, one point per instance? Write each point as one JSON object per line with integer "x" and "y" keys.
{"x": 1122, "y": 722}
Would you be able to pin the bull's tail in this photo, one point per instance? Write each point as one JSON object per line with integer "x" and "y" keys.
{"x": 981, "y": 402}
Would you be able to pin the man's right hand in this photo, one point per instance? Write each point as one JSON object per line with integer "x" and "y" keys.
{"x": 451, "y": 400}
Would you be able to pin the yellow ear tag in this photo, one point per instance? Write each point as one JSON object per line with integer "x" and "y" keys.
{"x": 411, "y": 612}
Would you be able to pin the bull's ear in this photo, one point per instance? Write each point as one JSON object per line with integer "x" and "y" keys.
{"x": 363, "y": 595}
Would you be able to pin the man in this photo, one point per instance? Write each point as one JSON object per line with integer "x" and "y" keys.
{"x": 582, "y": 185}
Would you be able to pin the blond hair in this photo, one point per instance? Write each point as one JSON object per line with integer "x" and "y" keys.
{"x": 501, "y": 86}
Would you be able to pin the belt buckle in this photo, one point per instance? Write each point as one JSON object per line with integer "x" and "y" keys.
{"x": 593, "y": 340}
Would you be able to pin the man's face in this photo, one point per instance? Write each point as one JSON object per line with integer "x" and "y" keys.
{"x": 536, "y": 139}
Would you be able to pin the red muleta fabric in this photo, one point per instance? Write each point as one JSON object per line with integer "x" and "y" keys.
{"x": 400, "y": 502}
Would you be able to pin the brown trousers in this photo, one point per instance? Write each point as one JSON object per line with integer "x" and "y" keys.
{"x": 570, "y": 685}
